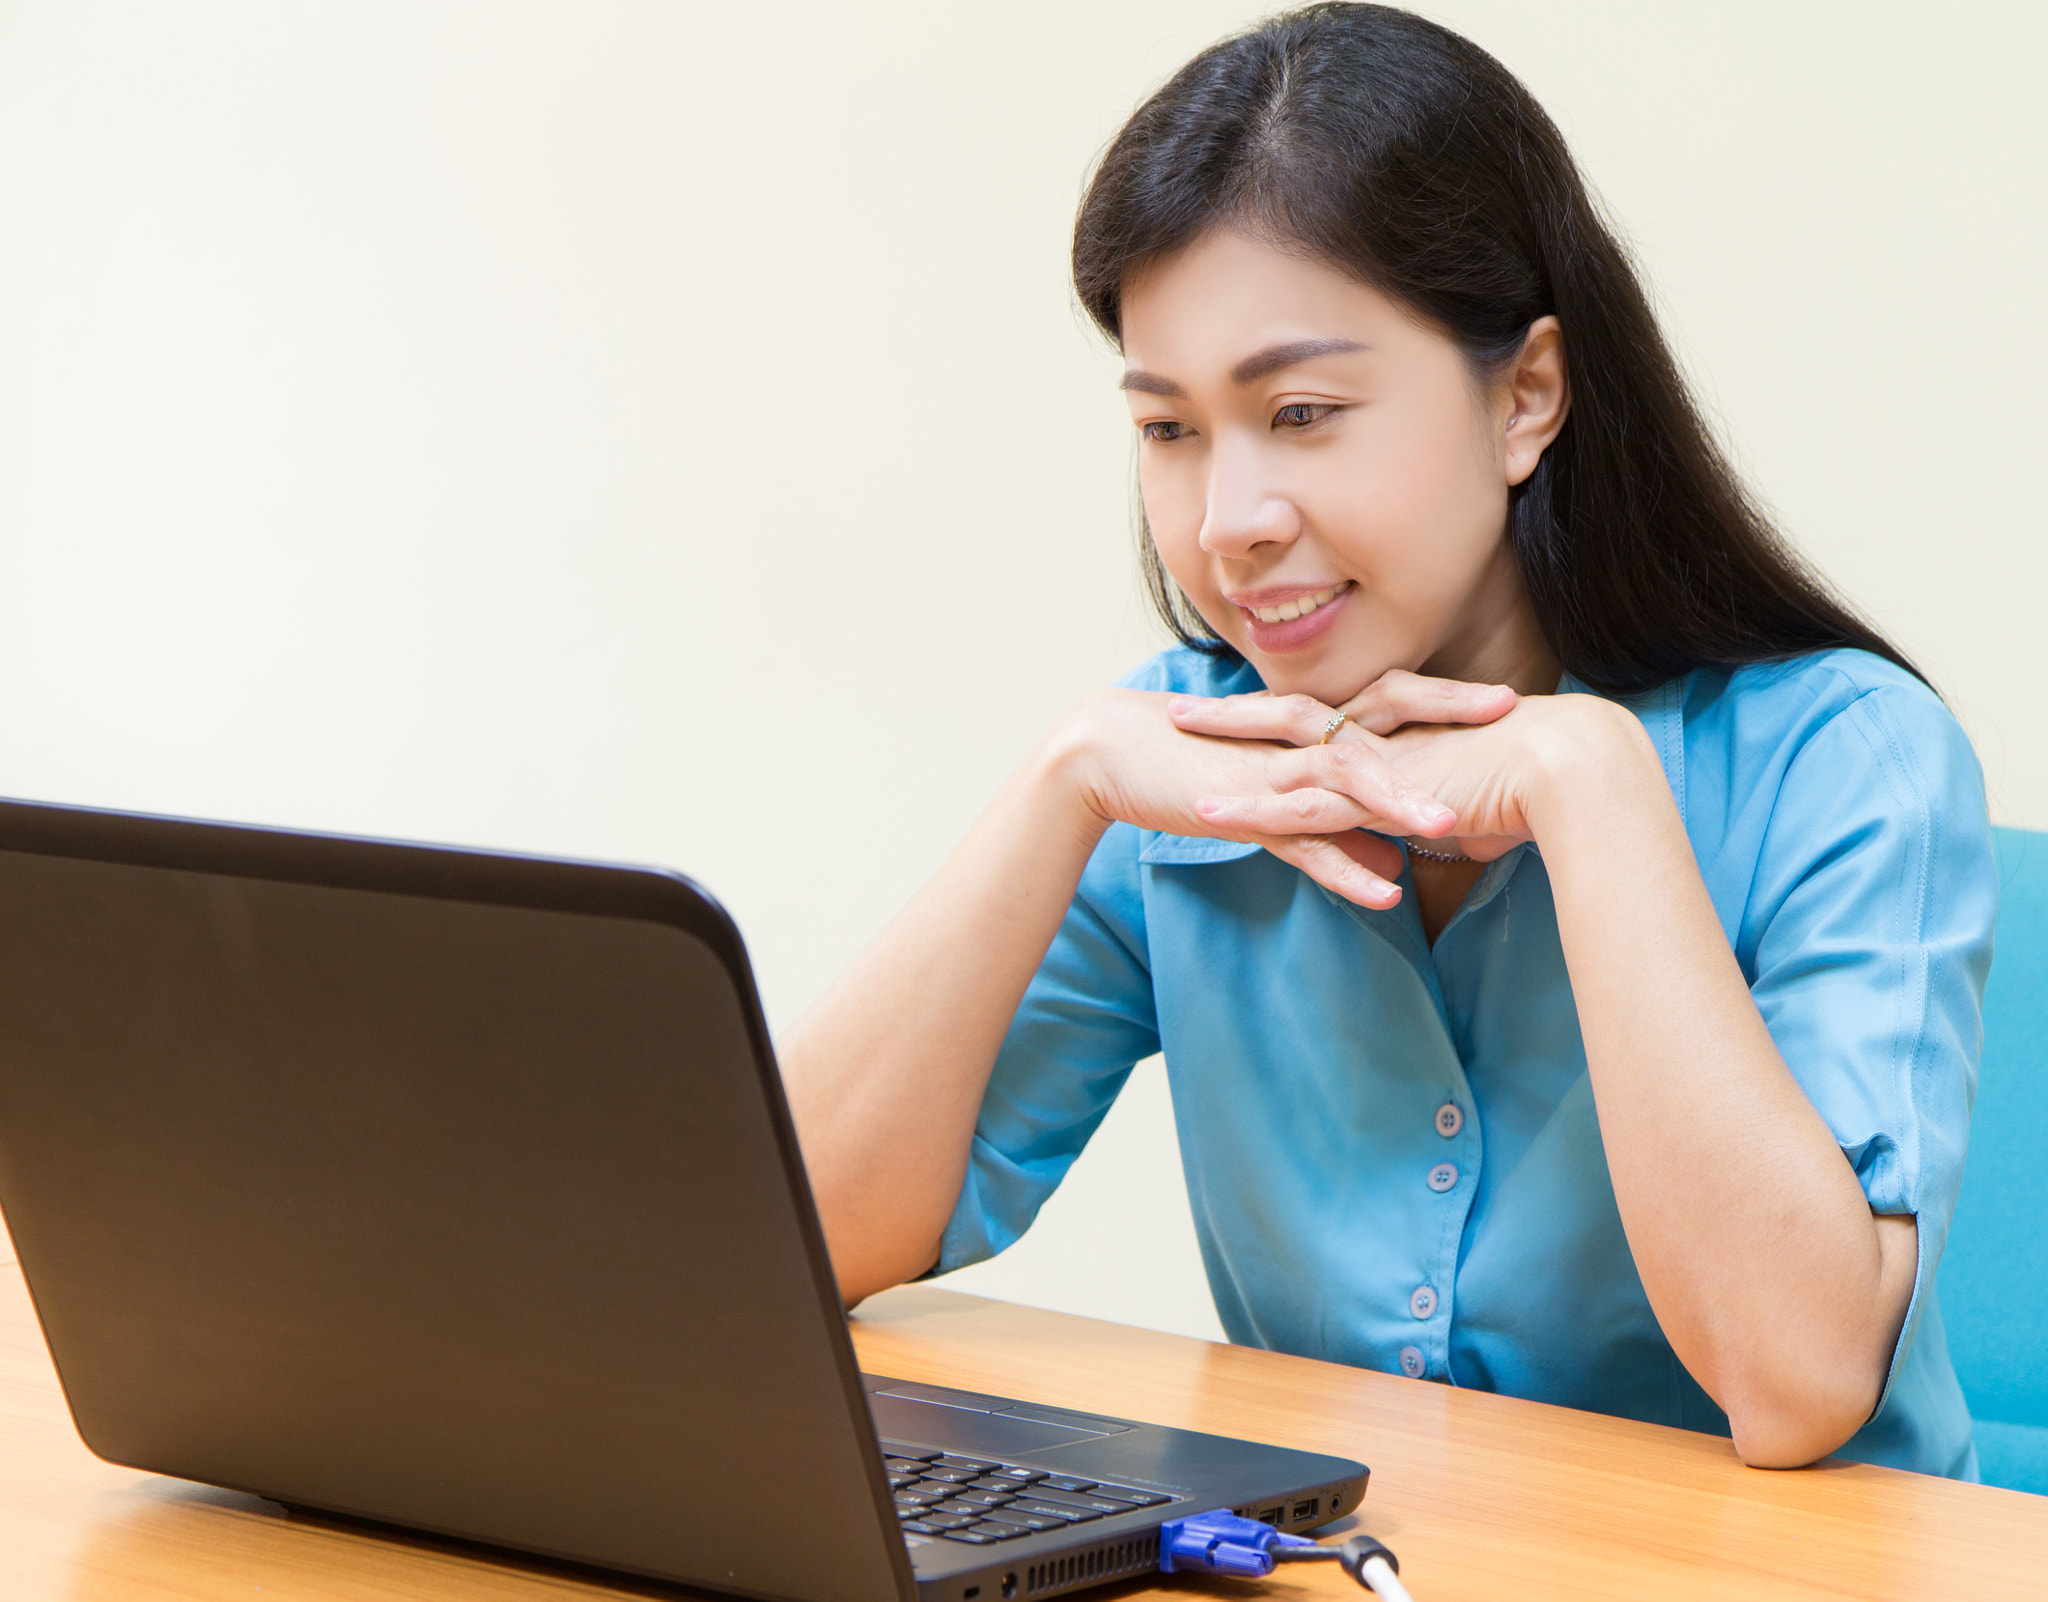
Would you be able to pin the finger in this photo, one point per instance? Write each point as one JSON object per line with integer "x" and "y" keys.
{"x": 1299, "y": 812}
{"x": 1360, "y": 770}
{"x": 1359, "y": 867}
{"x": 1400, "y": 697}
{"x": 1372, "y": 852}
{"x": 1289, "y": 719}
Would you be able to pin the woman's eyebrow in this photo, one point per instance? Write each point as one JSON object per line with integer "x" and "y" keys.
{"x": 1250, "y": 369}
{"x": 1274, "y": 357}
{"x": 1253, "y": 368}
{"x": 1150, "y": 383}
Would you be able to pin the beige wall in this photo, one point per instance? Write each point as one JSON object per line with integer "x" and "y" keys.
{"x": 662, "y": 431}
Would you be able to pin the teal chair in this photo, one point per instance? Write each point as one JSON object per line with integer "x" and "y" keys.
{"x": 1994, "y": 1275}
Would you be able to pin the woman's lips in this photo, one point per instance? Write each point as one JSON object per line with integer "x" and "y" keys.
{"x": 1296, "y": 634}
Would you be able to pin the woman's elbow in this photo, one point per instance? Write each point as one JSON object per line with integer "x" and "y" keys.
{"x": 864, "y": 1265}
{"x": 1795, "y": 1427}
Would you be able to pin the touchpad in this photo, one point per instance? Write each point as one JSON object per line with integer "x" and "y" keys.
{"x": 898, "y": 1418}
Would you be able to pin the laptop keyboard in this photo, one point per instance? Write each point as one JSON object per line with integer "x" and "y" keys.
{"x": 978, "y": 1502}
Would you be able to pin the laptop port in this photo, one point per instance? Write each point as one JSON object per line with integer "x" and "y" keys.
{"x": 1009, "y": 1585}
{"x": 1307, "y": 1510}
{"x": 1272, "y": 1516}
{"x": 970, "y": 1593}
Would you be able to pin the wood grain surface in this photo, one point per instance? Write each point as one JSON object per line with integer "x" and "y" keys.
{"x": 1481, "y": 1496}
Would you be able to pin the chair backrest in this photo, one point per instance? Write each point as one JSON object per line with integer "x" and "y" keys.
{"x": 1994, "y": 1274}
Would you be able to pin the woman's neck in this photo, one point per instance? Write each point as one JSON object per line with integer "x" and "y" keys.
{"x": 1498, "y": 640}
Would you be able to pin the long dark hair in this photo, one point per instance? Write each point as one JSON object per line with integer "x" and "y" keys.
{"x": 1408, "y": 157}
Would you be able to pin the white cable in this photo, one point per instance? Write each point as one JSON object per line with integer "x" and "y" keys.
{"x": 1384, "y": 1582}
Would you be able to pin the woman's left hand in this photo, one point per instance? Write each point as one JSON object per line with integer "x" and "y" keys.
{"x": 1469, "y": 745}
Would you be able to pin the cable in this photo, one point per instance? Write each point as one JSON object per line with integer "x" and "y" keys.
{"x": 1222, "y": 1543}
{"x": 1364, "y": 1559}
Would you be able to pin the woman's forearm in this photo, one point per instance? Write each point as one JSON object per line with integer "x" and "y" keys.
{"x": 885, "y": 1073}
{"x": 1775, "y": 1285}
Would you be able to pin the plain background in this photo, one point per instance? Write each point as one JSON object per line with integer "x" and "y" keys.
{"x": 663, "y": 431}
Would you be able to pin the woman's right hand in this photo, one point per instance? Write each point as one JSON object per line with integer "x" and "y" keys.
{"x": 1131, "y": 763}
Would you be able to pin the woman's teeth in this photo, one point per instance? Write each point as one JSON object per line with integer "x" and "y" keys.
{"x": 1301, "y": 606}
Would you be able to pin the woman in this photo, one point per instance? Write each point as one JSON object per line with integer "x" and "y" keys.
{"x": 1564, "y": 921}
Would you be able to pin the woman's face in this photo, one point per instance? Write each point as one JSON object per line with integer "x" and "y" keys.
{"x": 1324, "y": 478}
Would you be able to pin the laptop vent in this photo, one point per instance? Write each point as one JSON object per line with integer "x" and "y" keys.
{"x": 1108, "y": 1562}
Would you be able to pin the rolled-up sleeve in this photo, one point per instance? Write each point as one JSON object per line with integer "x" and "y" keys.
{"x": 1869, "y": 939}
{"x": 1086, "y": 1020}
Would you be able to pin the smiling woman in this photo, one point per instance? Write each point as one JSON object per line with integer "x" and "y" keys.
{"x": 1362, "y": 471}
{"x": 1564, "y": 921}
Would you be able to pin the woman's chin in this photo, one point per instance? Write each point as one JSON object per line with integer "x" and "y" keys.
{"x": 1332, "y": 683}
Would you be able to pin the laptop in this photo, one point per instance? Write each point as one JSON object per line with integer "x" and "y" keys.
{"x": 456, "y": 1190}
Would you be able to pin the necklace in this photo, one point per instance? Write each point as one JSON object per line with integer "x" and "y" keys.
{"x": 1428, "y": 855}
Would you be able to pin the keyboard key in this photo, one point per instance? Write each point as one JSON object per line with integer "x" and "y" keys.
{"x": 1001, "y": 1532}
{"x": 1029, "y": 1521}
{"x": 958, "y": 1476}
{"x": 1093, "y": 1504}
{"x": 909, "y": 1454}
{"x": 1022, "y": 1476}
{"x": 1059, "y": 1482}
{"x": 919, "y": 1527}
{"x": 979, "y": 1465}
{"x": 1126, "y": 1493}
{"x": 952, "y": 1521}
{"x": 987, "y": 1498}
{"x": 972, "y": 1509}
{"x": 1047, "y": 1510}
{"x": 970, "y": 1537}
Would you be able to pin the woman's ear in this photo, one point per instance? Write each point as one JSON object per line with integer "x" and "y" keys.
{"x": 1537, "y": 396}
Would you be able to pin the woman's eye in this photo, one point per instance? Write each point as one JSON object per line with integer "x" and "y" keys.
{"x": 1301, "y": 414}
{"x": 1163, "y": 433}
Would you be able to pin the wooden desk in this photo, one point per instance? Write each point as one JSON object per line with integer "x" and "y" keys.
{"x": 1482, "y": 1496}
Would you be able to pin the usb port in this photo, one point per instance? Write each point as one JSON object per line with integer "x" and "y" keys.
{"x": 1307, "y": 1510}
{"x": 1272, "y": 1516}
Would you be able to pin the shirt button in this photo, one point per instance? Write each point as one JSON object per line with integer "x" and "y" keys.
{"x": 1450, "y": 1118}
{"x": 1443, "y": 1176}
{"x": 1423, "y": 1302}
{"x": 1411, "y": 1362}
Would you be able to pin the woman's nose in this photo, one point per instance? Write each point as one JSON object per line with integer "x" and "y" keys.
{"x": 1243, "y": 508}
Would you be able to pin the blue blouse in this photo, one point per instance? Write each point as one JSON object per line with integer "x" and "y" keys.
{"x": 1392, "y": 1149}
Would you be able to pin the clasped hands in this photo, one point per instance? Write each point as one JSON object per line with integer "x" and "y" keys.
{"x": 1430, "y": 758}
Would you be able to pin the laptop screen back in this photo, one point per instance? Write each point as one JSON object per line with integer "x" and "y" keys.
{"x": 458, "y": 1200}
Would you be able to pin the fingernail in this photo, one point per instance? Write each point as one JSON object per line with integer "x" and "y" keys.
{"x": 1211, "y": 806}
{"x": 1434, "y": 816}
{"x": 1181, "y": 703}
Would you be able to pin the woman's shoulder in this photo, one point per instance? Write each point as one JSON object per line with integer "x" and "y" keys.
{"x": 1181, "y": 670}
{"x": 1767, "y": 709}
{"x": 1830, "y": 745}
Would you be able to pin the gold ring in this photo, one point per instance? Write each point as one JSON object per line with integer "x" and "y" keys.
{"x": 1333, "y": 726}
